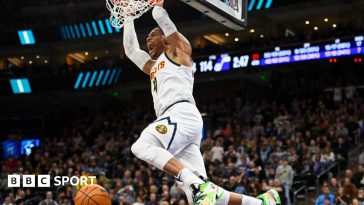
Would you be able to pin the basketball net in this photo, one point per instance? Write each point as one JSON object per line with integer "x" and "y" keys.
{"x": 123, "y": 11}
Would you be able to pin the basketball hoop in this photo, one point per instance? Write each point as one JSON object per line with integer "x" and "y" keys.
{"x": 123, "y": 11}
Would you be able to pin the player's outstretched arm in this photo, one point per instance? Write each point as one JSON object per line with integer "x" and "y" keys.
{"x": 173, "y": 37}
{"x": 133, "y": 51}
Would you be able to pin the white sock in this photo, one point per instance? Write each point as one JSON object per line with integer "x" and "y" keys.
{"x": 248, "y": 200}
{"x": 188, "y": 177}
{"x": 224, "y": 200}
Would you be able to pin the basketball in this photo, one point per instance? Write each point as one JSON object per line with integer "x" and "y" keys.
{"x": 92, "y": 195}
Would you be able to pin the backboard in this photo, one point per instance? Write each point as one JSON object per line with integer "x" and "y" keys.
{"x": 231, "y": 13}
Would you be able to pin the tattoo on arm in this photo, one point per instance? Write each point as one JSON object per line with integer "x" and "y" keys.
{"x": 174, "y": 52}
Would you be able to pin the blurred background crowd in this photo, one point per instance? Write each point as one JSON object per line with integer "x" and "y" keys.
{"x": 248, "y": 147}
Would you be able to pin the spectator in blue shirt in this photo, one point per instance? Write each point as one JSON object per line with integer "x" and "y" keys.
{"x": 326, "y": 197}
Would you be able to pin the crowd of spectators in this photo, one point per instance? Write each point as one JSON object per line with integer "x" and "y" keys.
{"x": 248, "y": 148}
{"x": 348, "y": 191}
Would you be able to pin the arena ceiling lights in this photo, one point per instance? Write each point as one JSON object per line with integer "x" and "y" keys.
{"x": 98, "y": 27}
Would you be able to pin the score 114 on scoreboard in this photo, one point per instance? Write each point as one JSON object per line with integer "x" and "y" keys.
{"x": 307, "y": 52}
{"x": 225, "y": 62}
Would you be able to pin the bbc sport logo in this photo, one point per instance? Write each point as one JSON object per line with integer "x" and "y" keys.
{"x": 16, "y": 181}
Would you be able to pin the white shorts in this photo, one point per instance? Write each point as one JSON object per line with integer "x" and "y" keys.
{"x": 179, "y": 130}
{"x": 180, "y": 126}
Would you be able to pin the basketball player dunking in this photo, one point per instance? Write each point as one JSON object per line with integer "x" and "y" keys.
{"x": 172, "y": 142}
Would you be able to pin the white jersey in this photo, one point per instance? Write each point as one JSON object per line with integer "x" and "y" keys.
{"x": 170, "y": 83}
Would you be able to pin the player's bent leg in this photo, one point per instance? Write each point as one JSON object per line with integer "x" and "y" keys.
{"x": 171, "y": 134}
{"x": 191, "y": 157}
{"x": 271, "y": 197}
{"x": 237, "y": 199}
{"x": 224, "y": 197}
{"x": 149, "y": 149}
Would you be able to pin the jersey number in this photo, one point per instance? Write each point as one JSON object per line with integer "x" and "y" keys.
{"x": 155, "y": 84}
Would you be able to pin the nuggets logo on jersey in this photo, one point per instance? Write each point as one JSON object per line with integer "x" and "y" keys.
{"x": 161, "y": 129}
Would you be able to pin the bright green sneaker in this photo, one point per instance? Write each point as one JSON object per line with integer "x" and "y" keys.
{"x": 205, "y": 194}
{"x": 270, "y": 197}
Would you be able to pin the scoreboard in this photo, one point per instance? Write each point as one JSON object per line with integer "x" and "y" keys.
{"x": 301, "y": 53}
